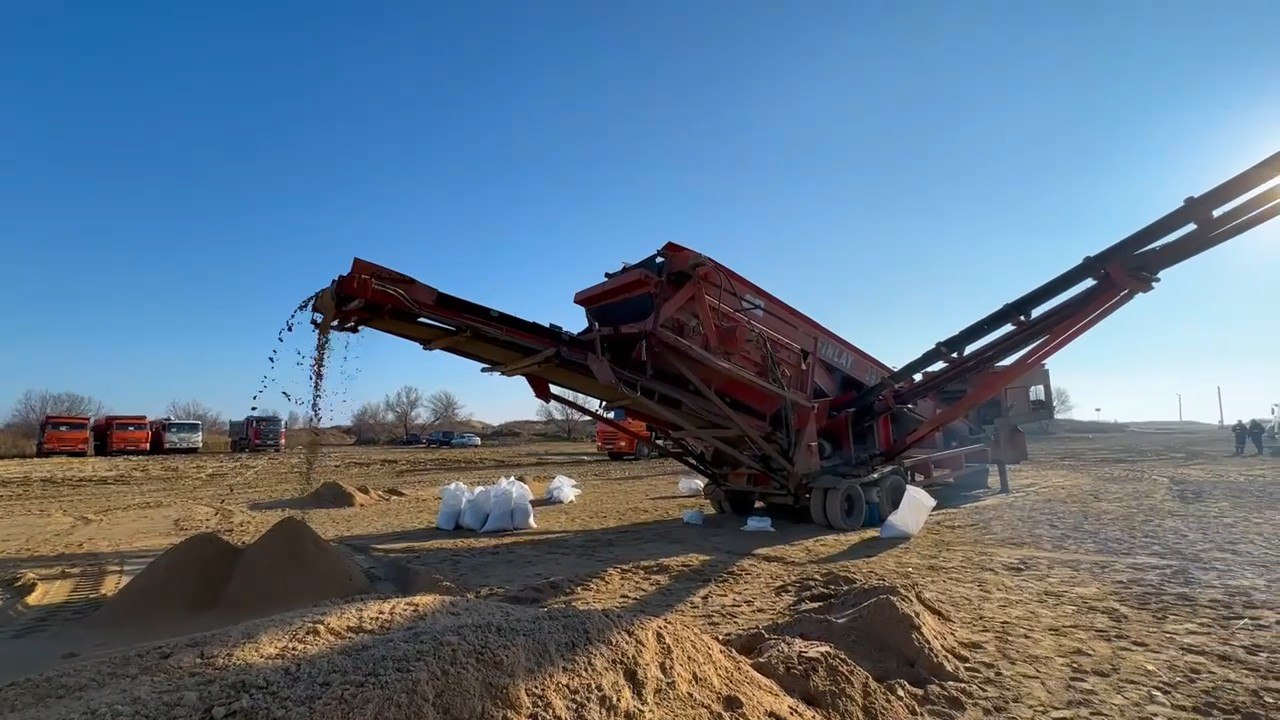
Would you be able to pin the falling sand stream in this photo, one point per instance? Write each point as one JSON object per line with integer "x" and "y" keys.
{"x": 317, "y": 365}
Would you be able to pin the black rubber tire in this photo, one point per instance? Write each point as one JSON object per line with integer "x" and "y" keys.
{"x": 818, "y": 507}
{"x": 892, "y": 487}
{"x": 616, "y": 456}
{"x": 643, "y": 451}
{"x": 846, "y": 506}
{"x": 740, "y": 502}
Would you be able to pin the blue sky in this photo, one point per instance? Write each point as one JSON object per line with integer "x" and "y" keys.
{"x": 177, "y": 177}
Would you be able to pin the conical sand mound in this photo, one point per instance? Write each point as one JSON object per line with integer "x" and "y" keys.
{"x": 333, "y": 494}
{"x": 891, "y": 632}
{"x": 289, "y": 567}
{"x": 422, "y": 658}
{"x": 206, "y": 581}
{"x": 822, "y": 677}
{"x": 183, "y": 581}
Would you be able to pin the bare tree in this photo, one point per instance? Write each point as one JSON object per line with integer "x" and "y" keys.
{"x": 564, "y": 418}
{"x": 405, "y": 407}
{"x": 294, "y": 420}
{"x": 1062, "y": 403}
{"x": 267, "y": 412}
{"x": 369, "y": 421}
{"x": 211, "y": 419}
{"x": 444, "y": 407}
{"x": 31, "y": 407}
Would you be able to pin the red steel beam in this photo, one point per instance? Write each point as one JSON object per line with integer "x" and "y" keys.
{"x": 1068, "y": 330}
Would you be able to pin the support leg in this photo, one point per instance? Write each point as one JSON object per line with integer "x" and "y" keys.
{"x": 1003, "y": 469}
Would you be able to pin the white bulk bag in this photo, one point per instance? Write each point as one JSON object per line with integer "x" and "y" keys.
{"x": 908, "y": 519}
{"x": 476, "y": 511}
{"x": 453, "y": 497}
{"x": 563, "y": 490}
{"x": 522, "y": 507}
{"x": 690, "y": 485}
{"x": 499, "y": 519}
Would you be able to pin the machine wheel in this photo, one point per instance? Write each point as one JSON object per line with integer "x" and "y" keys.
{"x": 893, "y": 488}
{"x": 643, "y": 451}
{"x": 846, "y": 505}
{"x": 740, "y": 502}
{"x": 818, "y": 507}
{"x": 616, "y": 456}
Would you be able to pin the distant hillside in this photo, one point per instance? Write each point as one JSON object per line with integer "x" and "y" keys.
{"x": 1067, "y": 426}
{"x": 517, "y": 430}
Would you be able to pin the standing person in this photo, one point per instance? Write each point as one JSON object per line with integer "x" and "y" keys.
{"x": 1255, "y": 433}
{"x": 1242, "y": 433}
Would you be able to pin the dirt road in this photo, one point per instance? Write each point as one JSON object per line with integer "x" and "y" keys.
{"x": 1128, "y": 575}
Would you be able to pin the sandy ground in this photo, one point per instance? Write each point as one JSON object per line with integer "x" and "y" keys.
{"x": 1127, "y": 575}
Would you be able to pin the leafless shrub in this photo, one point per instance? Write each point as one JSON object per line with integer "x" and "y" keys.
{"x": 566, "y": 420}
{"x": 211, "y": 419}
{"x": 31, "y": 407}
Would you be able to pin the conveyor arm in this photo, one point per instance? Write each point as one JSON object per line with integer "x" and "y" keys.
{"x": 1115, "y": 276}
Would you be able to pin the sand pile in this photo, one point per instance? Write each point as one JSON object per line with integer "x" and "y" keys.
{"x": 425, "y": 658}
{"x": 892, "y": 632}
{"x": 182, "y": 582}
{"x": 331, "y": 494}
{"x": 289, "y": 567}
{"x": 205, "y": 579}
{"x": 822, "y": 677}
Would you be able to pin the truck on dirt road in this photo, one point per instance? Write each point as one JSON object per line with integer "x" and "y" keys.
{"x": 169, "y": 435}
{"x": 638, "y": 442}
{"x": 63, "y": 435}
{"x": 256, "y": 432}
{"x": 117, "y": 434}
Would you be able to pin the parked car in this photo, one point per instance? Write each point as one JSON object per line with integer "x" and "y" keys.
{"x": 465, "y": 440}
{"x": 440, "y": 438}
{"x": 410, "y": 439}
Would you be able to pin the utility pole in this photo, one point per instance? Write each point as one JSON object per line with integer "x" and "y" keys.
{"x": 1222, "y": 420}
{"x": 1179, "y": 407}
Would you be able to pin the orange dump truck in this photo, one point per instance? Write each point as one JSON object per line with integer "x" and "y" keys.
{"x": 63, "y": 435}
{"x": 121, "y": 434}
{"x": 619, "y": 445}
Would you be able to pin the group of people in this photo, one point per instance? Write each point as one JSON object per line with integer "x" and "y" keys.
{"x": 1253, "y": 431}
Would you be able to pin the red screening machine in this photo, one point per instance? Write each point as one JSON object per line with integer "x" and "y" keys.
{"x": 770, "y": 406}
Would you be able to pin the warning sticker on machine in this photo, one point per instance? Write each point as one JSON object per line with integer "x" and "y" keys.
{"x": 752, "y": 304}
